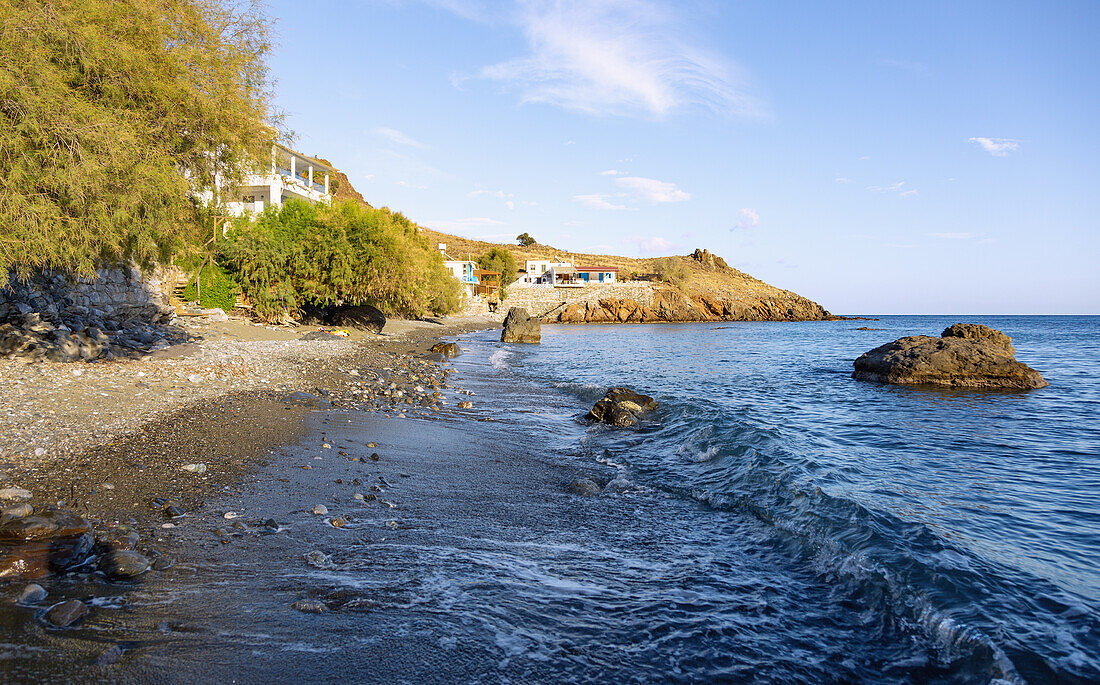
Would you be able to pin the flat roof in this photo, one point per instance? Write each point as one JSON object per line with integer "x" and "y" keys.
{"x": 309, "y": 159}
{"x": 597, "y": 268}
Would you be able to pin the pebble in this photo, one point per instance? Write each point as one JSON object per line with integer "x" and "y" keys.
{"x": 67, "y": 613}
{"x": 32, "y": 593}
{"x": 320, "y": 510}
{"x": 163, "y": 564}
{"x": 39, "y": 451}
{"x": 229, "y": 515}
{"x": 194, "y": 468}
{"x": 584, "y": 486}
{"x": 15, "y": 494}
{"x": 167, "y": 525}
{"x": 309, "y": 606}
{"x": 358, "y": 496}
{"x": 326, "y": 446}
{"x": 173, "y": 512}
{"x": 466, "y": 405}
{"x": 338, "y": 522}
{"x": 320, "y": 560}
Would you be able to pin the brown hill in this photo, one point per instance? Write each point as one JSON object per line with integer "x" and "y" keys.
{"x": 711, "y": 291}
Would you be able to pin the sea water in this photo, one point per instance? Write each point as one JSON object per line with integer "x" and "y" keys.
{"x": 826, "y": 528}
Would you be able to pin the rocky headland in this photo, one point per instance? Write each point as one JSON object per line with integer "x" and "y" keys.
{"x": 964, "y": 356}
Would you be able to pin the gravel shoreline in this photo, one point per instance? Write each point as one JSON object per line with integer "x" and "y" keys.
{"x": 109, "y": 440}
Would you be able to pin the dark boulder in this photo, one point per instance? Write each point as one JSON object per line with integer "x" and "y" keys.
{"x": 66, "y": 613}
{"x": 362, "y": 316}
{"x": 34, "y": 546}
{"x": 965, "y": 356}
{"x": 621, "y": 407}
{"x": 519, "y": 327}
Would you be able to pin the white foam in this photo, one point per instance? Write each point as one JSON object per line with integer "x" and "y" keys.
{"x": 498, "y": 359}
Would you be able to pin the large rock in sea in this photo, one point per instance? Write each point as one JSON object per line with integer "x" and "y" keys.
{"x": 621, "y": 407}
{"x": 519, "y": 327}
{"x": 966, "y": 355}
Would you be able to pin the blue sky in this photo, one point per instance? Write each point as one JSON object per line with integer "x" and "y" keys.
{"x": 934, "y": 157}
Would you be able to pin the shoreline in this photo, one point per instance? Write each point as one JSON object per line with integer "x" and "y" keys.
{"x": 124, "y": 475}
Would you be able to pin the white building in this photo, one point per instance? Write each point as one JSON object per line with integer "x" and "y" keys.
{"x": 290, "y": 175}
{"x": 562, "y": 274}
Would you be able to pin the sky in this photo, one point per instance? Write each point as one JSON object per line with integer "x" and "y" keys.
{"x": 917, "y": 158}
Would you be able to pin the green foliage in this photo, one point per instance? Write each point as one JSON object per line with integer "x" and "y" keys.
{"x": 103, "y": 103}
{"x": 525, "y": 240}
{"x": 499, "y": 259}
{"x": 348, "y": 252}
{"x": 218, "y": 289}
{"x": 672, "y": 270}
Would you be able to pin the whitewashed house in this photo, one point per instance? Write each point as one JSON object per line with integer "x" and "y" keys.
{"x": 562, "y": 274}
{"x": 289, "y": 175}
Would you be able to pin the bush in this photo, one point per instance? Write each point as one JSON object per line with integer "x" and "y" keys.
{"x": 312, "y": 254}
{"x": 672, "y": 270}
{"x": 218, "y": 289}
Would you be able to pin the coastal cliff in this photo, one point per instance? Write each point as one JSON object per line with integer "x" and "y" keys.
{"x": 710, "y": 291}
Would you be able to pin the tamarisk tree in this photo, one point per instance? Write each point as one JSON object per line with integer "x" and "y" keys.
{"x": 114, "y": 114}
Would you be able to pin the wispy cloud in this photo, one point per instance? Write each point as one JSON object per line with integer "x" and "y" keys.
{"x": 463, "y": 224}
{"x": 506, "y": 198}
{"x": 650, "y": 245}
{"x": 998, "y": 147}
{"x": 843, "y": 179}
{"x": 652, "y": 190}
{"x": 598, "y": 201}
{"x": 395, "y": 136}
{"x": 898, "y": 188}
{"x": 747, "y": 219}
{"x": 617, "y": 57}
{"x": 612, "y": 172}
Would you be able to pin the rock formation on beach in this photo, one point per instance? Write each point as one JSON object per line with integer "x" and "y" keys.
{"x": 965, "y": 355}
{"x": 621, "y": 407}
{"x": 519, "y": 327}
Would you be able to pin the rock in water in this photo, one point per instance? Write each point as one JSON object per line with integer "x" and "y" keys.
{"x": 310, "y": 606}
{"x": 519, "y": 327}
{"x": 32, "y": 593}
{"x": 67, "y": 613}
{"x": 621, "y": 407}
{"x": 966, "y": 356}
{"x": 584, "y": 486}
{"x": 446, "y": 349}
{"x": 123, "y": 564}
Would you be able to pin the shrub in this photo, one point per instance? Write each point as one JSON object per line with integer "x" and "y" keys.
{"x": 350, "y": 253}
{"x": 672, "y": 270}
{"x": 218, "y": 289}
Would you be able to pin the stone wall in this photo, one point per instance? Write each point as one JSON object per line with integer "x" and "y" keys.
{"x": 52, "y": 315}
{"x": 117, "y": 296}
{"x": 541, "y": 300}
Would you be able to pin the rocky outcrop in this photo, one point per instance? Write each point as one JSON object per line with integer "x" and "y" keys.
{"x": 965, "y": 355}
{"x": 519, "y": 327}
{"x": 621, "y": 407}
{"x": 671, "y": 305}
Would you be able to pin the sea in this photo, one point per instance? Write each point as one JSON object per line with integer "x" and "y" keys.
{"x": 819, "y": 528}
{"x": 772, "y": 521}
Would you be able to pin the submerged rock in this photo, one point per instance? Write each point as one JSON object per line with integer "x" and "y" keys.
{"x": 446, "y": 349}
{"x": 32, "y": 593}
{"x": 965, "y": 355}
{"x": 621, "y": 407}
{"x": 123, "y": 564}
{"x": 584, "y": 486}
{"x": 34, "y": 546}
{"x": 519, "y": 327}
{"x": 67, "y": 613}
{"x": 310, "y": 606}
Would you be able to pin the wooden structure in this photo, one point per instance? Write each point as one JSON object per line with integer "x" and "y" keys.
{"x": 488, "y": 284}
